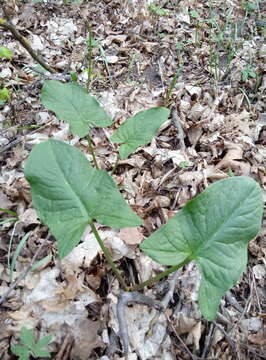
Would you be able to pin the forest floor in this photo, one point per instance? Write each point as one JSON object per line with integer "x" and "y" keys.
{"x": 216, "y": 51}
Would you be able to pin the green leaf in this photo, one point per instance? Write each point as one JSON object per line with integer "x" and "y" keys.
{"x": 27, "y": 337}
{"x": 16, "y": 254}
{"x": 21, "y": 351}
{"x": 68, "y": 193}
{"x": 139, "y": 130}
{"x": 44, "y": 341}
{"x": 5, "y": 53}
{"x": 41, "y": 262}
{"x": 4, "y": 96}
{"x": 213, "y": 229}
{"x": 42, "y": 353}
{"x": 73, "y": 104}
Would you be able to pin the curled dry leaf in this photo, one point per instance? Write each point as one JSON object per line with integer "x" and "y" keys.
{"x": 196, "y": 111}
{"x": 29, "y": 217}
{"x": 232, "y": 160}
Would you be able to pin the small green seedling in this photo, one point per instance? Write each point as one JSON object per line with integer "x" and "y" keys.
{"x": 4, "y": 96}
{"x": 183, "y": 164}
{"x": 248, "y": 72}
{"x": 156, "y": 10}
{"x": 250, "y": 7}
{"x": 30, "y": 347}
{"x": 7, "y": 220}
{"x": 5, "y": 53}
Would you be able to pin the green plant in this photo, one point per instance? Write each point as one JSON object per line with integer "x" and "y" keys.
{"x": 4, "y": 96}
{"x": 7, "y": 220}
{"x": 5, "y": 53}
{"x": 29, "y": 346}
{"x": 157, "y": 10}
{"x": 183, "y": 164}
{"x": 248, "y": 72}
{"x": 69, "y": 194}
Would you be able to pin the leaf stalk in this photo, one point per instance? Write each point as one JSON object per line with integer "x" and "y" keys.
{"x": 158, "y": 277}
{"x": 108, "y": 257}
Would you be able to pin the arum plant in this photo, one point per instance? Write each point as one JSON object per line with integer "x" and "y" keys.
{"x": 212, "y": 229}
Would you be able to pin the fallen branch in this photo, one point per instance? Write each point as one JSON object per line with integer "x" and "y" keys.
{"x": 7, "y": 25}
{"x": 177, "y": 124}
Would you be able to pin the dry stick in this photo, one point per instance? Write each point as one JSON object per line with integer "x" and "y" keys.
{"x": 125, "y": 298}
{"x": 169, "y": 295}
{"x": 177, "y": 124}
{"x": 230, "y": 341}
{"x": 21, "y": 277}
{"x": 208, "y": 342}
{"x": 180, "y": 339}
{"x": 8, "y": 26}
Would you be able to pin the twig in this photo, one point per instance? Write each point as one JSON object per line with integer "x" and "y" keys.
{"x": 58, "y": 76}
{"x": 169, "y": 295}
{"x": 177, "y": 124}
{"x": 21, "y": 277}
{"x": 124, "y": 299}
{"x": 7, "y": 25}
{"x": 68, "y": 340}
{"x": 230, "y": 341}
{"x": 208, "y": 342}
{"x": 193, "y": 357}
{"x": 232, "y": 301}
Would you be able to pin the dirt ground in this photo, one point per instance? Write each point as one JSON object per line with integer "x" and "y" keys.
{"x": 216, "y": 51}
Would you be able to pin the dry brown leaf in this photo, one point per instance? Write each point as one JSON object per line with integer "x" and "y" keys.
{"x": 259, "y": 338}
{"x": 232, "y": 160}
{"x": 5, "y": 203}
{"x": 131, "y": 236}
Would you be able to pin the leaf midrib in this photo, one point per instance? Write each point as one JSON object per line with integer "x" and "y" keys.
{"x": 80, "y": 202}
{"x": 208, "y": 242}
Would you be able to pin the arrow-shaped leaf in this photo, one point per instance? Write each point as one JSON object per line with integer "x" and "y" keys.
{"x": 73, "y": 104}
{"x": 213, "y": 229}
{"x": 139, "y": 129}
{"x": 68, "y": 193}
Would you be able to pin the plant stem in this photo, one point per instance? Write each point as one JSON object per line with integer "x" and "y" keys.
{"x": 171, "y": 87}
{"x": 108, "y": 257}
{"x": 91, "y": 150}
{"x": 115, "y": 165}
{"x": 89, "y": 69}
{"x": 159, "y": 277}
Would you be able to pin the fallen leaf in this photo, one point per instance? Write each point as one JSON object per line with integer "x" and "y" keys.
{"x": 131, "y": 236}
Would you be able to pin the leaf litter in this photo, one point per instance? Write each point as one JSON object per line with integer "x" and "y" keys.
{"x": 223, "y": 129}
